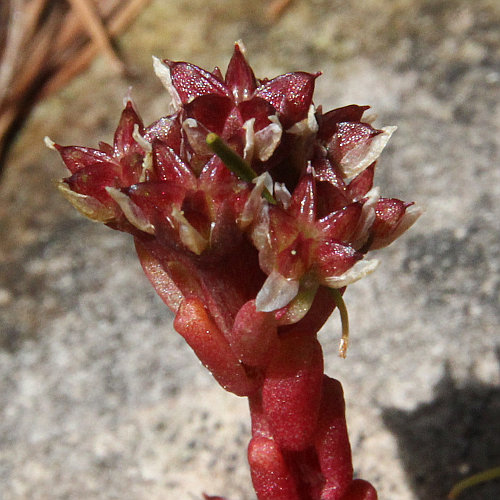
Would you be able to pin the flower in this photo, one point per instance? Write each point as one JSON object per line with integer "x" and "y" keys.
{"x": 286, "y": 209}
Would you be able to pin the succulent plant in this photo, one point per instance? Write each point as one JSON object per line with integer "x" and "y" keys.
{"x": 251, "y": 211}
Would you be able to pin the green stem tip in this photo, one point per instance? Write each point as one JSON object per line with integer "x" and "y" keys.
{"x": 474, "y": 480}
{"x": 234, "y": 162}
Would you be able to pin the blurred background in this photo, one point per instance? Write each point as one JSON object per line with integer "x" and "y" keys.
{"x": 99, "y": 398}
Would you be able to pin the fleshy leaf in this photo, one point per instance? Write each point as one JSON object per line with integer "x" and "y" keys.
{"x": 290, "y": 94}
{"x": 240, "y": 78}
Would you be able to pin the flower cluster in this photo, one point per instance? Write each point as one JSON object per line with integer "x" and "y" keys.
{"x": 248, "y": 204}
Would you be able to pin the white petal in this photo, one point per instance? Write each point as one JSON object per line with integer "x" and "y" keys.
{"x": 49, "y": 143}
{"x": 367, "y": 218}
{"x": 140, "y": 140}
{"x": 197, "y": 136}
{"x": 307, "y": 126}
{"x": 189, "y": 236}
{"x": 255, "y": 201}
{"x": 362, "y": 156}
{"x": 249, "y": 140}
{"x": 87, "y": 205}
{"x": 268, "y": 139}
{"x": 147, "y": 166}
{"x": 282, "y": 194}
{"x": 361, "y": 269}
{"x": 276, "y": 293}
{"x": 163, "y": 73}
{"x": 131, "y": 211}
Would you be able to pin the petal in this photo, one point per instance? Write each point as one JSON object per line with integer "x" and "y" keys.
{"x": 188, "y": 235}
{"x": 131, "y": 211}
{"x": 162, "y": 71}
{"x": 359, "y": 270}
{"x": 268, "y": 139}
{"x": 366, "y": 219}
{"x": 88, "y": 205}
{"x": 254, "y": 203}
{"x": 290, "y": 94}
{"x": 276, "y": 292}
{"x": 240, "y": 78}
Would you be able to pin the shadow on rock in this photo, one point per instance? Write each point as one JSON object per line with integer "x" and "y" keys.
{"x": 455, "y": 435}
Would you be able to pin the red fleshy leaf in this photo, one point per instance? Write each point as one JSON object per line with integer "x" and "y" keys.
{"x": 169, "y": 167}
{"x": 388, "y": 213}
{"x": 293, "y": 261}
{"x": 341, "y": 224}
{"x": 123, "y": 141}
{"x": 76, "y": 157}
{"x": 257, "y": 108}
{"x": 254, "y": 335}
{"x": 240, "y": 78}
{"x": 332, "y": 442}
{"x": 290, "y": 94}
{"x": 359, "y": 490}
{"x": 210, "y": 110}
{"x": 303, "y": 201}
{"x": 362, "y": 183}
{"x": 94, "y": 179}
{"x": 190, "y": 81}
{"x": 271, "y": 477}
{"x": 106, "y": 148}
{"x": 167, "y": 130}
{"x": 324, "y": 170}
{"x": 328, "y": 123}
{"x": 334, "y": 258}
{"x": 330, "y": 199}
{"x": 199, "y": 330}
{"x": 291, "y": 391}
{"x": 157, "y": 198}
{"x": 348, "y": 136}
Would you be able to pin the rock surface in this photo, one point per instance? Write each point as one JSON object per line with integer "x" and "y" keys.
{"x": 100, "y": 399}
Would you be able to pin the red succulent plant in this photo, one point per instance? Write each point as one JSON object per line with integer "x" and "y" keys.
{"x": 251, "y": 211}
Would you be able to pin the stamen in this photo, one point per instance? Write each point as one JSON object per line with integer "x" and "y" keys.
{"x": 235, "y": 162}
{"x": 344, "y": 319}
